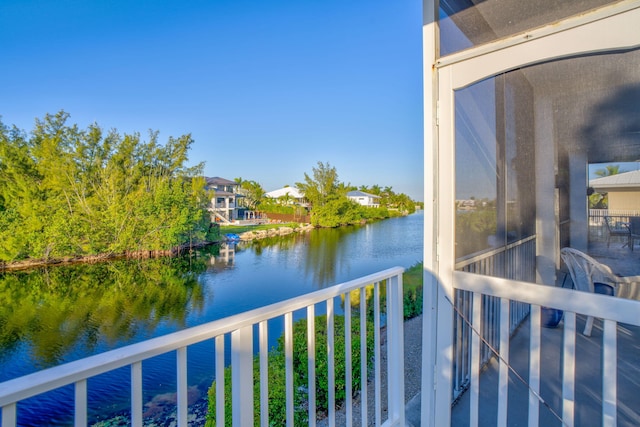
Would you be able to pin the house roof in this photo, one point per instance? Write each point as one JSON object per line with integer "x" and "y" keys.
{"x": 359, "y": 193}
{"x": 216, "y": 180}
{"x": 620, "y": 180}
{"x": 291, "y": 191}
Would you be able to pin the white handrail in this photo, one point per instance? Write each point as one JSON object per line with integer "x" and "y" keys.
{"x": 611, "y": 308}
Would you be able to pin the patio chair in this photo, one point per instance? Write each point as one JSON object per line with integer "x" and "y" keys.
{"x": 615, "y": 229}
{"x": 589, "y": 275}
{"x": 634, "y": 230}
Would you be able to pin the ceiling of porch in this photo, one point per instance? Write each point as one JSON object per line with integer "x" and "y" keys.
{"x": 596, "y": 103}
{"x": 595, "y": 99}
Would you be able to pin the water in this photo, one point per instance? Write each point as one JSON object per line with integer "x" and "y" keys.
{"x": 56, "y": 315}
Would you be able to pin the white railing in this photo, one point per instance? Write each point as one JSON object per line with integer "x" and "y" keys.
{"x": 611, "y": 309}
{"x": 596, "y": 216}
{"x": 597, "y": 228}
{"x": 516, "y": 261}
{"x": 241, "y": 329}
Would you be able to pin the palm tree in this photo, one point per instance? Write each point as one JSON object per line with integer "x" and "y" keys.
{"x": 608, "y": 171}
{"x": 601, "y": 201}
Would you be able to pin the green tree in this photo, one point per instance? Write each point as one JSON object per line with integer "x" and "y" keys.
{"x": 597, "y": 200}
{"x": 321, "y": 186}
{"x": 253, "y": 193}
{"x": 66, "y": 191}
{"x": 608, "y": 171}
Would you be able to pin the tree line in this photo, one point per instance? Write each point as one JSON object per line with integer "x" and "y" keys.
{"x": 66, "y": 191}
{"x": 326, "y": 195}
{"x": 72, "y": 192}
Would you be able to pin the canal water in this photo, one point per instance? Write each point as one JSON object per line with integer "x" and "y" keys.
{"x": 55, "y": 315}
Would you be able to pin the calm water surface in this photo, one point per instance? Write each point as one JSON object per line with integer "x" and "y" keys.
{"x": 56, "y": 315}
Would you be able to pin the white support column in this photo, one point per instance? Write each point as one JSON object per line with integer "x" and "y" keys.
{"x": 445, "y": 252}
{"x": 579, "y": 211}
{"x": 430, "y": 299}
{"x": 546, "y": 200}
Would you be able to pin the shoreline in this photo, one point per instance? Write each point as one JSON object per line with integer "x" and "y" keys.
{"x": 93, "y": 259}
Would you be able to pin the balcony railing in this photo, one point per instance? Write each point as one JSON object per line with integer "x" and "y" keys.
{"x": 515, "y": 261}
{"x": 224, "y": 206}
{"x": 580, "y": 374}
{"x": 241, "y": 330}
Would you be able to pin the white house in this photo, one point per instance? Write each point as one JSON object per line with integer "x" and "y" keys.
{"x": 292, "y": 194}
{"x": 364, "y": 199}
{"x": 224, "y": 206}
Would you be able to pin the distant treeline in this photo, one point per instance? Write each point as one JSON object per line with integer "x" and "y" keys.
{"x": 71, "y": 192}
{"x": 67, "y": 192}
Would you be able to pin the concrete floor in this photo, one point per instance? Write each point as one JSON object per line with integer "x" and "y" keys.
{"x": 588, "y": 380}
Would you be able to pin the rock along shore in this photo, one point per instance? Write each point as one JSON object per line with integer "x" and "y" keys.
{"x": 273, "y": 232}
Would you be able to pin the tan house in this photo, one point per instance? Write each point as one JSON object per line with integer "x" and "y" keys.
{"x": 623, "y": 190}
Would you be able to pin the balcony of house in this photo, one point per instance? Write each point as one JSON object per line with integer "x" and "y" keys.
{"x": 225, "y": 205}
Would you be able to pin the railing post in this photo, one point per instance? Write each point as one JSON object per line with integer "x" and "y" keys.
{"x": 242, "y": 376}
{"x": 609, "y": 374}
{"x": 182, "y": 388}
{"x": 219, "y": 367}
{"x": 80, "y": 416}
{"x": 136, "y": 394}
{"x": 395, "y": 350}
{"x": 9, "y": 418}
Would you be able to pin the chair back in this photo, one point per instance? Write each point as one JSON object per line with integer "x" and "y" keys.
{"x": 585, "y": 271}
{"x": 579, "y": 269}
{"x": 608, "y": 221}
{"x": 634, "y": 224}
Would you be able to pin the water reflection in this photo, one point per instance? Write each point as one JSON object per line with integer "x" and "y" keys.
{"x": 220, "y": 257}
{"x": 59, "y": 310}
{"x": 323, "y": 250}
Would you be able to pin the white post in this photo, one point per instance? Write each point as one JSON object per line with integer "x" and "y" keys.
{"x": 242, "y": 376}
{"x": 182, "y": 387}
{"x": 444, "y": 257}
{"x": 578, "y": 200}
{"x": 430, "y": 282}
{"x": 546, "y": 201}
{"x": 395, "y": 356}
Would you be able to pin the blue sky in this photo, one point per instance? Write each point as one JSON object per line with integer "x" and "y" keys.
{"x": 266, "y": 88}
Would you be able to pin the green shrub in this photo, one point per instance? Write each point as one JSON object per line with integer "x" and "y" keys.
{"x": 412, "y": 300}
{"x": 277, "y": 392}
{"x": 412, "y": 291}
